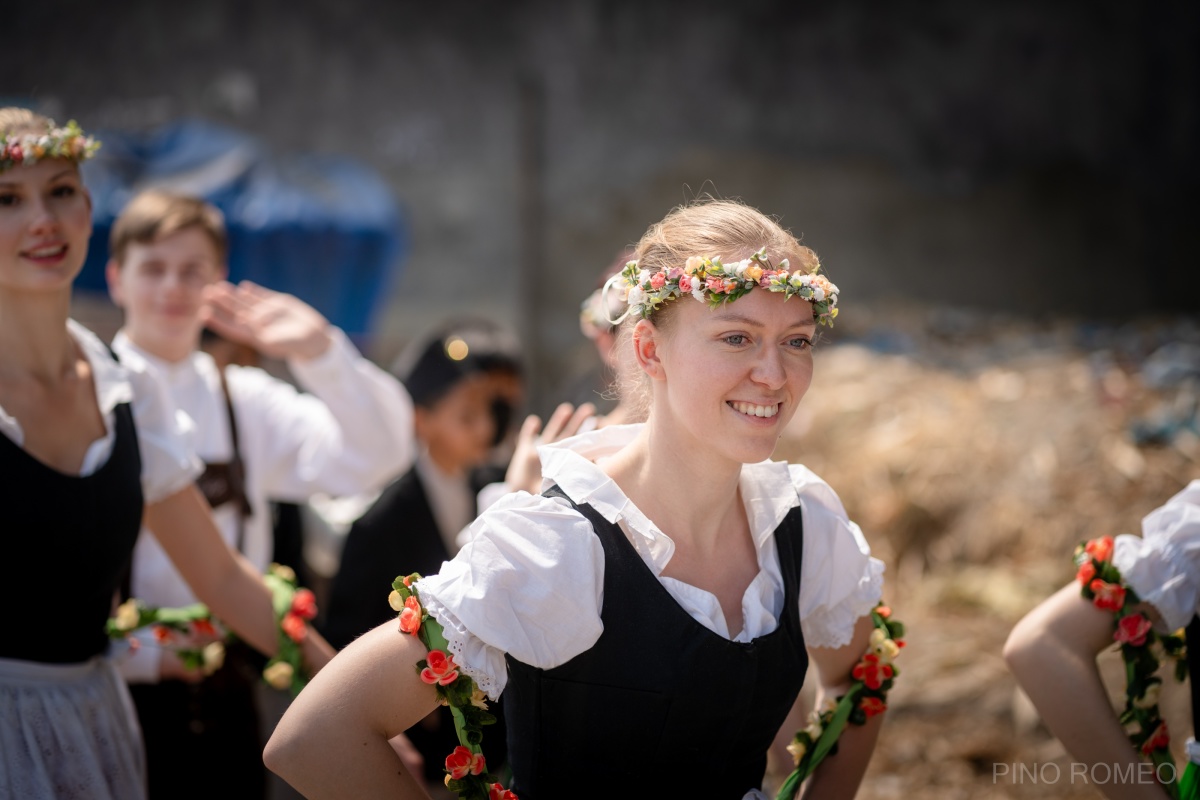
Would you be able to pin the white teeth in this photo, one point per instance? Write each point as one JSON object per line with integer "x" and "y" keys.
{"x": 756, "y": 411}
{"x": 46, "y": 251}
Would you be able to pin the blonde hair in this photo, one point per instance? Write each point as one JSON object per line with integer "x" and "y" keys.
{"x": 154, "y": 214}
{"x": 17, "y": 120}
{"x": 708, "y": 227}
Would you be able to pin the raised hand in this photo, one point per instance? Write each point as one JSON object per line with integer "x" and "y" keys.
{"x": 276, "y": 324}
{"x": 525, "y": 469}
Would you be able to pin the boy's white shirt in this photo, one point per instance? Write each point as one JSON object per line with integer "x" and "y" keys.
{"x": 349, "y": 432}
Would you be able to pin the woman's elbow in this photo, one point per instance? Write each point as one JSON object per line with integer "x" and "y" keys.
{"x": 1023, "y": 649}
{"x": 283, "y": 752}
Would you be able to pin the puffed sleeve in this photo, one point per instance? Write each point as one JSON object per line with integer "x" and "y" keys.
{"x": 1163, "y": 564}
{"x": 529, "y": 583}
{"x": 840, "y": 580}
{"x": 164, "y": 438}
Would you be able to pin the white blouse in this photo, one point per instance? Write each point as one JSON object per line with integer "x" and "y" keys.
{"x": 349, "y": 431}
{"x": 168, "y": 463}
{"x": 529, "y": 581}
{"x": 1163, "y": 564}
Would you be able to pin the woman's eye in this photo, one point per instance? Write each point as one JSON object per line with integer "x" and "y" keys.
{"x": 735, "y": 339}
{"x": 8, "y": 199}
{"x": 63, "y": 191}
{"x": 800, "y": 343}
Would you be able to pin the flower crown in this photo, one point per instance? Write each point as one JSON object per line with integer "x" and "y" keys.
{"x": 26, "y": 149}
{"x": 712, "y": 281}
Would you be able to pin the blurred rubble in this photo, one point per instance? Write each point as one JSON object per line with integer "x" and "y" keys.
{"x": 975, "y": 451}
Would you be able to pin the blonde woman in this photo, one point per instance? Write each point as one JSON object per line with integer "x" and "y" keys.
{"x": 650, "y": 617}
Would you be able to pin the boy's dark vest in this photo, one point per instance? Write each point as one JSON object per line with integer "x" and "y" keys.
{"x": 659, "y": 706}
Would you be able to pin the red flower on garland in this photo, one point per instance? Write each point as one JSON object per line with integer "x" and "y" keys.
{"x": 498, "y": 792}
{"x": 203, "y": 627}
{"x": 1108, "y": 596}
{"x": 463, "y": 762}
{"x": 871, "y": 672}
{"x": 1100, "y": 549}
{"x": 1087, "y": 571}
{"x": 410, "y": 617}
{"x": 1132, "y": 630}
{"x": 294, "y": 626}
{"x": 162, "y": 634}
{"x": 873, "y": 706}
{"x": 304, "y": 604}
{"x": 440, "y": 669}
{"x": 1159, "y": 739}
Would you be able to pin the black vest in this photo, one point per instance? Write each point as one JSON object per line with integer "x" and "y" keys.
{"x": 70, "y": 539}
{"x": 660, "y": 706}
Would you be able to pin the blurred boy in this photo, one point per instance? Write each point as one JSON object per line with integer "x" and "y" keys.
{"x": 260, "y": 440}
{"x": 412, "y": 526}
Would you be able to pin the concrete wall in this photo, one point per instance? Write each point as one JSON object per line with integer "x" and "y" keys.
{"x": 1017, "y": 156}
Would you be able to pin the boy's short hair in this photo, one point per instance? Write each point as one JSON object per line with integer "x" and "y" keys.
{"x": 156, "y": 213}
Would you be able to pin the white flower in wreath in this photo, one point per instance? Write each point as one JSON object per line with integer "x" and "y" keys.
{"x": 636, "y": 296}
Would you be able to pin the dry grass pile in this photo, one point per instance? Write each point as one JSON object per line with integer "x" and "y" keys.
{"x": 975, "y": 455}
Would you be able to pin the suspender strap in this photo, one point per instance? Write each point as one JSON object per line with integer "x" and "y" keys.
{"x": 238, "y": 467}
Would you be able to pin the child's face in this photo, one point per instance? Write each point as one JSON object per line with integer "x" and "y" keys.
{"x": 45, "y": 222}
{"x": 458, "y": 428}
{"x": 160, "y": 286}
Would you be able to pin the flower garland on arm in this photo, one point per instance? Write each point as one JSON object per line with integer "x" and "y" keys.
{"x": 1141, "y": 646}
{"x": 466, "y": 768}
{"x": 873, "y": 677}
{"x": 194, "y": 635}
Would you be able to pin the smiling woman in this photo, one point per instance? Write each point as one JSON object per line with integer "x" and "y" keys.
{"x": 89, "y": 449}
{"x": 650, "y": 616}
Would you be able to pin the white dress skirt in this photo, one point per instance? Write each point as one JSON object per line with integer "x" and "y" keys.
{"x": 68, "y": 731}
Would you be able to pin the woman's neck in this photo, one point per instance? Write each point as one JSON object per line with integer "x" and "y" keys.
{"x": 33, "y": 336}
{"x": 688, "y": 495}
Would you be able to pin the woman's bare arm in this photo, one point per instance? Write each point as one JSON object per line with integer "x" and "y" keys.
{"x": 840, "y": 774}
{"x": 1052, "y": 652}
{"x": 333, "y": 740}
{"x": 227, "y": 583}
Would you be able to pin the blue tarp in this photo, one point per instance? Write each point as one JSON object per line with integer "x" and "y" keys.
{"x": 323, "y": 228}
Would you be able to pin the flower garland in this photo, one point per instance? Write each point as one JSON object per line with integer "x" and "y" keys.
{"x": 194, "y": 635}
{"x": 466, "y": 767}
{"x": 873, "y": 677}
{"x": 1141, "y": 648}
{"x": 712, "y": 281}
{"x": 26, "y": 149}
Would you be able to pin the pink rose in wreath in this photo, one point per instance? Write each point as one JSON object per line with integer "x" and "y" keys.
{"x": 463, "y": 762}
{"x": 498, "y": 792}
{"x": 440, "y": 669}
{"x": 1108, "y": 596}
{"x": 1100, "y": 549}
{"x": 294, "y": 626}
{"x": 410, "y": 617}
{"x": 871, "y": 671}
{"x": 304, "y": 604}
{"x": 1132, "y": 630}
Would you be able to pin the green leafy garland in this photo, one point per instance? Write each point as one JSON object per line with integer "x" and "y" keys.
{"x": 1140, "y": 644}
{"x": 294, "y": 608}
{"x": 466, "y": 768}
{"x": 873, "y": 677}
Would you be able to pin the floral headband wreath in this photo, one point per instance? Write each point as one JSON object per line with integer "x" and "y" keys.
{"x": 26, "y": 149}
{"x": 711, "y": 281}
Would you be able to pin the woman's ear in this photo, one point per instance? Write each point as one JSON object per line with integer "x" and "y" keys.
{"x": 646, "y": 341}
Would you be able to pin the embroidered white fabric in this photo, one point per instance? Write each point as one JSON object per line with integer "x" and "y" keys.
{"x": 529, "y": 580}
